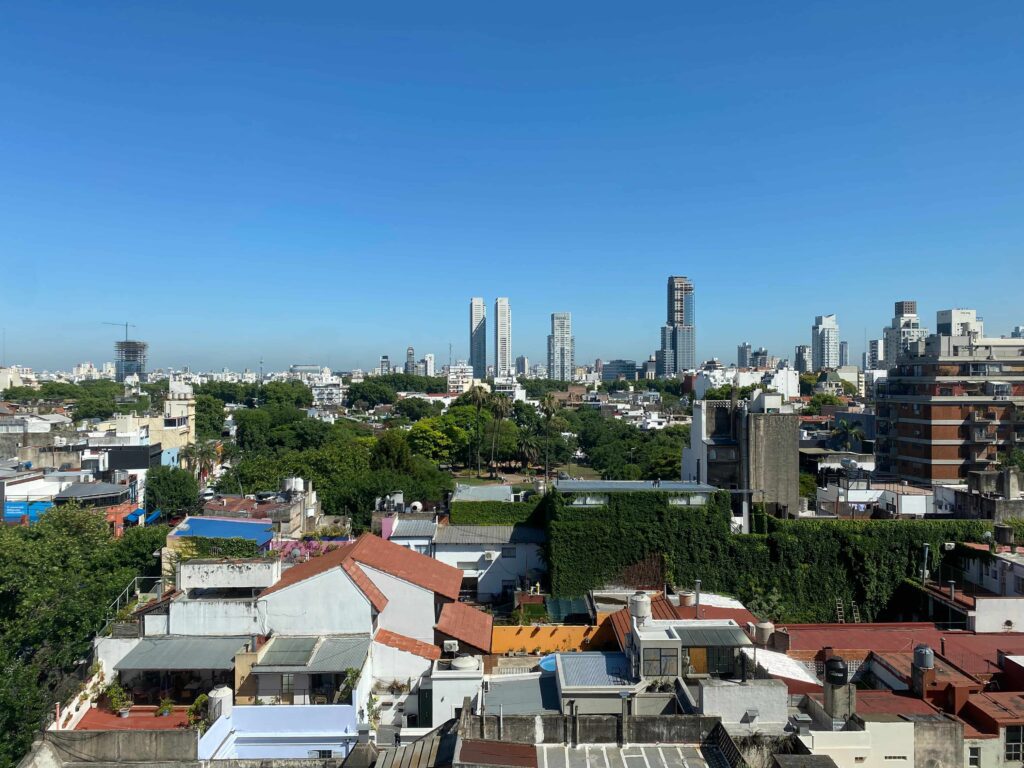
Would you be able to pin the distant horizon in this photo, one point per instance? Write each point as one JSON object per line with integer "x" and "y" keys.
{"x": 334, "y": 182}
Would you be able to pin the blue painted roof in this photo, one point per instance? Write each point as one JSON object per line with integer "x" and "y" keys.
{"x": 260, "y": 531}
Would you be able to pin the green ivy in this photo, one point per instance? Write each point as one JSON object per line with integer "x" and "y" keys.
{"x": 203, "y": 547}
{"x": 495, "y": 512}
{"x": 810, "y": 563}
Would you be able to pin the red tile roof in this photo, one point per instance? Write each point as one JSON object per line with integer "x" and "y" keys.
{"x": 407, "y": 644}
{"x": 871, "y": 702}
{"x": 465, "y": 623}
{"x": 367, "y": 587}
{"x": 374, "y": 552}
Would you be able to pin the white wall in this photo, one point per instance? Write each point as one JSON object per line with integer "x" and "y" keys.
{"x": 110, "y": 651}
{"x": 867, "y": 748}
{"x": 730, "y": 702}
{"x": 253, "y": 574}
{"x": 991, "y": 613}
{"x": 154, "y": 624}
{"x": 448, "y": 694}
{"x": 392, "y": 664}
{"x": 328, "y": 603}
{"x": 492, "y": 572}
{"x": 213, "y": 617}
{"x": 410, "y": 609}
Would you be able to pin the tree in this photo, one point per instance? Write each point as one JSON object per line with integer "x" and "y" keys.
{"x": 391, "y": 452}
{"x": 814, "y": 407}
{"x": 809, "y": 487}
{"x": 252, "y": 429}
{"x": 849, "y": 389}
{"x": 501, "y": 408}
{"x": 416, "y": 408}
{"x": 528, "y": 448}
{"x": 1013, "y": 458}
{"x": 209, "y": 417}
{"x": 848, "y": 434}
{"x": 173, "y": 491}
{"x": 201, "y": 458}
{"x": 428, "y": 438}
{"x": 478, "y": 398}
{"x": 807, "y": 383}
{"x": 372, "y": 392}
{"x": 548, "y": 409}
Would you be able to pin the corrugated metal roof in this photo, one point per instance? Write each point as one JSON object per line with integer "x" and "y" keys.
{"x": 524, "y": 696}
{"x": 91, "y": 490}
{"x": 488, "y": 534}
{"x": 482, "y": 493}
{"x": 420, "y": 529}
{"x": 595, "y": 669}
{"x": 711, "y": 637}
{"x": 561, "y": 608}
{"x": 287, "y": 652}
{"x": 623, "y": 486}
{"x": 177, "y": 652}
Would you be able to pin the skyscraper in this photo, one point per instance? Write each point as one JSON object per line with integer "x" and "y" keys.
{"x": 522, "y": 366}
{"x": 561, "y": 347}
{"x": 874, "y": 357}
{"x": 428, "y": 364}
{"x": 502, "y": 337}
{"x": 478, "y": 337}
{"x": 743, "y": 355}
{"x": 824, "y": 343}
{"x": 385, "y": 365}
{"x": 844, "y": 353}
{"x": 410, "y": 361}
{"x": 904, "y": 330}
{"x": 802, "y": 358}
{"x": 679, "y": 335}
{"x": 130, "y": 359}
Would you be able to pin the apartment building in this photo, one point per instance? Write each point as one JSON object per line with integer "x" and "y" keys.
{"x": 949, "y": 407}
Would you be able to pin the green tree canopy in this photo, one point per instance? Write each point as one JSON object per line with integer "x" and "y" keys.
{"x": 173, "y": 491}
{"x": 209, "y": 417}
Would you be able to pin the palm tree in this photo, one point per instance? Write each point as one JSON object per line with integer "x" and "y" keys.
{"x": 200, "y": 457}
{"x": 848, "y": 434}
{"x": 548, "y": 408}
{"x": 501, "y": 407}
{"x": 528, "y": 448}
{"x": 478, "y": 397}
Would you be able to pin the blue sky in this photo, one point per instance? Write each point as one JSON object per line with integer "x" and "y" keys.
{"x": 326, "y": 182}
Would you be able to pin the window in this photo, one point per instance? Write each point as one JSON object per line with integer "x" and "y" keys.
{"x": 1015, "y": 742}
{"x": 508, "y": 551}
{"x": 721, "y": 661}
{"x": 974, "y": 757}
{"x": 321, "y": 754}
{"x": 287, "y": 683}
{"x": 660, "y": 662}
{"x": 467, "y": 565}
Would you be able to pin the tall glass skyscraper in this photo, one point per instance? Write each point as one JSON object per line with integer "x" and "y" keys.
{"x": 561, "y": 347}
{"x": 502, "y": 338}
{"x": 678, "y": 350}
{"x": 478, "y": 337}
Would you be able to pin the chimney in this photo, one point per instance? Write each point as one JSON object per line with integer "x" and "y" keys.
{"x": 952, "y": 589}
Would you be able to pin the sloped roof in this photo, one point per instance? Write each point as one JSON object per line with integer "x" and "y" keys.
{"x": 179, "y": 652}
{"x": 407, "y": 644}
{"x": 374, "y": 552}
{"x": 414, "y": 529}
{"x": 314, "y": 654}
{"x": 488, "y": 534}
{"x": 467, "y": 624}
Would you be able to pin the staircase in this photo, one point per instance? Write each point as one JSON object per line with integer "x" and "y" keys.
{"x": 855, "y": 612}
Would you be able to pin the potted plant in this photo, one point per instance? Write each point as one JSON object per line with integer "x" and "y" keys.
{"x": 119, "y": 699}
{"x": 165, "y": 708}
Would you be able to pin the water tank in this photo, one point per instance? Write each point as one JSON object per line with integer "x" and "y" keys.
{"x": 1004, "y": 534}
{"x": 640, "y": 607}
{"x": 416, "y": 506}
{"x": 687, "y": 599}
{"x": 465, "y": 663}
{"x": 220, "y": 702}
{"x": 924, "y": 657}
{"x": 763, "y": 632}
{"x": 835, "y": 671}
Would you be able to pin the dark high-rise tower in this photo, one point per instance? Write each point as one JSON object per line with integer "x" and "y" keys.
{"x": 679, "y": 334}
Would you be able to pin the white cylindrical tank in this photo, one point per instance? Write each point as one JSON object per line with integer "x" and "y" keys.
{"x": 687, "y": 599}
{"x": 924, "y": 657}
{"x": 640, "y": 607}
{"x": 416, "y": 506}
{"x": 465, "y": 663}
{"x": 221, "y": 702}
{"x": 763, "y": 631}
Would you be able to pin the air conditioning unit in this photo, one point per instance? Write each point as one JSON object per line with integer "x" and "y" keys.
{"x": 489, "y": 556}
{"x": 949, "y": 546}
{"x": 451, "y": 646}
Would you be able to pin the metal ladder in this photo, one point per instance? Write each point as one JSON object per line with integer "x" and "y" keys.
{"x": 840, "y": 617}
{"x": 855, "y": 612}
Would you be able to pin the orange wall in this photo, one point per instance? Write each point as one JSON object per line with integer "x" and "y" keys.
{"x": 549, "y": 638}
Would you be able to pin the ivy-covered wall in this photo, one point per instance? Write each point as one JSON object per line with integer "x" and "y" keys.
{"x": 803, "y": 565}
{"x": 495, "y": 512}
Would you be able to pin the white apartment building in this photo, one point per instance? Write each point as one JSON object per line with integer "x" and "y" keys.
{"x": 959, "y": 322}
{"x": 460, "y": 377}
{"x": 502, "y": 337}
{"x": 904, "y": 330}
{"x": 561, "y": 347}
{"x": 825, "y": 343}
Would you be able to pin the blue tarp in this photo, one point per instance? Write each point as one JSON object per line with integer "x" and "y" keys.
{"x": 153, "y": 516}
{"x": 260, "y": 531}
{"x": 15, "y": 510}
{"x": 134, "y": 516}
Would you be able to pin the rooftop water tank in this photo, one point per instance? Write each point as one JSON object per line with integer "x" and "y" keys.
{"x": 220, "y": 702}
{"x": 836, "y": 672}
{"x": 924, "y": 657}
{"x": 464, "y": 663}
{"x": 640, "y": 606}
{"x": 687, "y": 598}
{"x": 763, "y": 632}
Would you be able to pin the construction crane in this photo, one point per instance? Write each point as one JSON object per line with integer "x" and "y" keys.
{"x": 126, "y": 327}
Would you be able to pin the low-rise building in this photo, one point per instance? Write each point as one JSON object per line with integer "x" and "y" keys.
{"x": 495, "y": 560}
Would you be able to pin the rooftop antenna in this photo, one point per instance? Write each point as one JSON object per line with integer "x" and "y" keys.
{"x": 126, "y": 325}
{"x": 449, "y": 355}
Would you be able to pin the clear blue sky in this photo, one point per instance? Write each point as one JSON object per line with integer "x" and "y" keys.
{"x": 326, "y": 182}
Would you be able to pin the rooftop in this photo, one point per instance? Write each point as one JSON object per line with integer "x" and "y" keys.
{"x": 467, "y": 624}
{"x": 594, "y": 669}
{"x": 407, "y": 644}
{"x": 334, "y": 653}
{"x": 92, "y": 491}
{"x": 139, "y": 718}
{"x": 482, "y": 493}
{"x": 629, "y": 486}
{"x": 259, "y": 531}
{"x": 180, "y": 652}
{"x": 533, "y": 695}
{"x": 420, "y": 529}
{"x": 488, "y": 534}
{"x": 633, "y": 756}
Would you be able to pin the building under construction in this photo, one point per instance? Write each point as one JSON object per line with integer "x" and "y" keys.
{"x": 129, "y": 359}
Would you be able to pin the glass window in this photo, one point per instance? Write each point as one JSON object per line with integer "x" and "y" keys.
{"x": 660, "y": 662}
{"x": 508, "y": 551}
{"x": 1014, "y": 742}
{"x": 287, "y": 683}
{"x": 721, "y": 661}
{"x": 974, "y": 757}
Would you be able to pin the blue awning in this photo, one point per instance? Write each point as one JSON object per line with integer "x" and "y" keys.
{"x": 153, "y": 516}
{"x": 134, "y": 516}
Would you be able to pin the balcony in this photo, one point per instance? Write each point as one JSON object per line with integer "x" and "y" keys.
{"x": 985, "y": 436}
